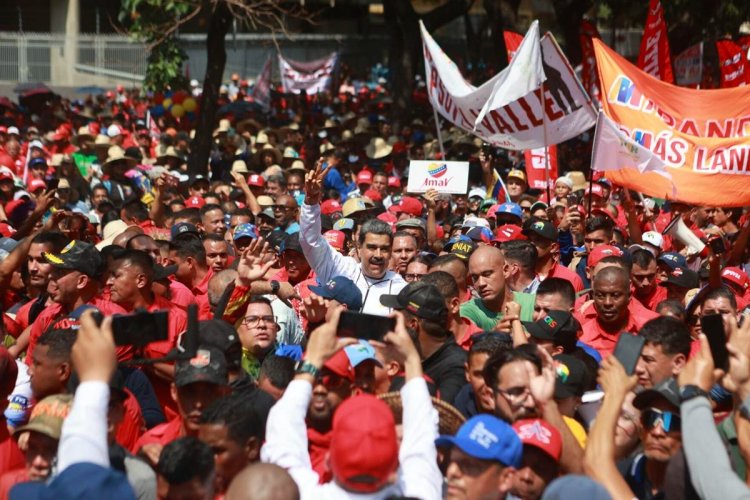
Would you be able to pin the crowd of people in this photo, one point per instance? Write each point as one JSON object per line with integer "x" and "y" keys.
{"x": 501, "y": 375}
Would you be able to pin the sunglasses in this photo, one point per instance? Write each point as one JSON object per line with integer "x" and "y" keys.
{"x": 668, "y": 420}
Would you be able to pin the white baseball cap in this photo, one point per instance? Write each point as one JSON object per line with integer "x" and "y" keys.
{"x": 114, "y": 131}
{"x": 13, "y": 131}
{"x": 653, "y": 238}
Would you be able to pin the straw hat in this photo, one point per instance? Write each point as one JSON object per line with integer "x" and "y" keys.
{"x": 102, "y": 142}
{"x": 239, "y": 167}
{"x": 579, "y": 180}
{"x": 224, "y": 127}
{"x": 277, "y": 156}
{"x": 111, "y": 231}
{"x": 115, "y": 154}
{"x": 83, "y": 133}
{"x": 326, "y": 146}
{"x": 297, "y": 166}
{"x": 261, "y": 138}
{"x": 59, "y": 158}
{"x": 378, "y": 148}
{"x": 449, "y": 418}
{"x": 272, "y": 170}
{"x": 169, "y": 152}
{"x": 248, "y": 125}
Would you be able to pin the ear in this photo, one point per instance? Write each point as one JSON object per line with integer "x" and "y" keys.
{"x": 252, "y": 449}
{"x": 506, "y": 270}
{"x": 554, "y": 247}
{"x": 466, "y": 371}
{"x": 173, "y": 391}
{"x": 392, "y": 368}
{"x": 65, "y": 371}
{"x": 140, "y": 281}
{"x": 557, "y": 350}
{"x": 505, "y": 480}
{"x": 454, "y": 305}
{"x": 678, "y": 363}
{"x": 83, "y": 281}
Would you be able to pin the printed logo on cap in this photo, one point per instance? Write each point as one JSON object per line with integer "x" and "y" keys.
{"x": 69, "y": 247}
{"x": 535, "y": 431}
{"x": 437, "y": 169}
{"x": 331, "y": 284}
{"x": 482, "y": 436}
{"x": 677, "y": 272}
{"x": 202, "y": 359}
{"x": 538, "y": 225}
{"x": 562, "y": 371}
{"x": 550, "y": 321}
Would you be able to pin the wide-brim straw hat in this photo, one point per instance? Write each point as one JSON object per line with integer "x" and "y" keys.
{"x": 239, "y": 167}
{"x": 170, "y": 152}
{"x": 378, "y": 148}
{"x": 115, "y": 154}
{"x": 277, "y": 156}
{"x": 83, "y": 133}
{"x": 450, "y": 419}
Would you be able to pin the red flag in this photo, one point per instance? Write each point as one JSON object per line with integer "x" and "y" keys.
{"x": 654, "y": 55}
{"x": 735, "y": 70}
{"x": 535, "y": 160}
{"x": 535, "y": 165}
{"x": 512, "y": 42}
{"x": 744, "y": 43}
{"x": 590, "y": 79}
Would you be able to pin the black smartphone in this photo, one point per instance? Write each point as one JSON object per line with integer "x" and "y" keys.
{"x": 628, "y": 350}
{"x": 717, "y": 245}
{"x": 712, "y": 326}
{"x": 364, "y": 326}
{"x": 52, "y": 184}
{"x": 140, "y": 328}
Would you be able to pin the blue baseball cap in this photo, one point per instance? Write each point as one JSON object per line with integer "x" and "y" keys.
{"x": 340, "y": 289}
{"x": 183, "y": 228}
{"x": 461, "y": 237}
{"x": 510, "y": 208}
{"x": 673, "y": 260}
{"x": 480, "y": 234}
{"x": 486, "y": 437}
{"x": 344, "y": 224}
{"x": 244, "y": 231}
{"x": 80, "y": 480}
{"x": 361, "y": 352}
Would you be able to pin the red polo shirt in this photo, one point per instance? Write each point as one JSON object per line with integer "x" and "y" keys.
{"x": 652, "y": 300}
{"x": 162, "y": 434}
{"x": 50, "y": 315}
{"x": 563, "y": 272}
{"x": 10, "y": 455}
{"x": 603, "y": 340}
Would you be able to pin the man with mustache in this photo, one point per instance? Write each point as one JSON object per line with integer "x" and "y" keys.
{"x": 374, "y": 244}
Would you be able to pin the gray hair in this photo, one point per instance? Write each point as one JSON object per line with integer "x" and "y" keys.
{"x": 374, "y": 226}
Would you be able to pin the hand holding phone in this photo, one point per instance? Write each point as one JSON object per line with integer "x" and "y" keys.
{"x": 628, "y": 350}
{"x": 712, "y": 326}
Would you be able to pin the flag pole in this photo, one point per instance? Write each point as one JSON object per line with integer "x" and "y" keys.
{"x": 439, "y": 134}
{"x": 546, "y": 151}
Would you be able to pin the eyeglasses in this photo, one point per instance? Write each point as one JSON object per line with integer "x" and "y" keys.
{"x": 668, "y": 420}
{"x": 413, "y": 277}
{"x": 255, "y": 320}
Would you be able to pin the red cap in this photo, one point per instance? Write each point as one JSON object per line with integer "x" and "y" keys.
{"x": 6, "y": 229}
{"x": 596, "y": 190}
{"x": 5, "y": 175}
{"x": 440, "y": 232}
{"x": 602, "y": 213}
{"x": 508, "y": 232}
{"x": 256, "y": 180}
{"x": 399, "y": 148}
{"x": 735, "y": 275}
{"x": 35, "y": 184}
{"x": 602, "y": 251}
{"x": 491, "y": 212}
{"x": 373, "y": 195}
{"x": 408, "y": 205}
{"x": 195, "y": 202}
{"x": 364, "y": 177}
{"x": 329, "y": 207}
{"x": 537, "y": 432}
{"x": 364, "y": 446}
{"x": 335, "y": 238}
{"x": 394, "y": 182}
{"x": 388, "y": 217}
{"x": 340, "y": 365}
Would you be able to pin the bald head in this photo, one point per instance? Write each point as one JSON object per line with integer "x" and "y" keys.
{"x": 263, "y": 482}
{"x": 612, "y": 274}
{"x": 489, "y": 253}
{"x": 122, "y": 239}
{"x": 487, "y": 272}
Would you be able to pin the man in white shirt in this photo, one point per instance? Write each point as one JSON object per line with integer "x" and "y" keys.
{"x": 374, "y": 244}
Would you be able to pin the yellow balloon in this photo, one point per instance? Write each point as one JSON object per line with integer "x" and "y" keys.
{"x": 189, "y": 104}
{"x": 166, "y": 103}
{"x": 177, "y": 111}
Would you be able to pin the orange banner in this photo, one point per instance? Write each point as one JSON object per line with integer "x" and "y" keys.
{"x": 703, "y": 136}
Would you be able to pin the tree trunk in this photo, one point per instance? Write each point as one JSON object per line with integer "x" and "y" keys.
{"x": 218, "y": 27}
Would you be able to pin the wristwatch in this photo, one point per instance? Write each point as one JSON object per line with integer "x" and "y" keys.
{"x": 275, "y": 287}
{"x": 688, "y": 392}
{"x": 307, "y": 367}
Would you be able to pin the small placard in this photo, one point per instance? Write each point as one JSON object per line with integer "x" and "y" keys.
{"x": 444, "y": 176}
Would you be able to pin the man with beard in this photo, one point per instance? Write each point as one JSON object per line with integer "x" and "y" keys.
{"x": 374, "y": 244}
{"x": 643, "y": 277}
{"x": 522, "y": 381}
{"x": 542, "y": 447}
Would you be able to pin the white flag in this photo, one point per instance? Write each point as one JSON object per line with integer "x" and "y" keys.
{"x": 521, "y": 76}
{"x": 518, "y": 112}
{"x": 312, "y": 77}
{"x": 615, "y": 150}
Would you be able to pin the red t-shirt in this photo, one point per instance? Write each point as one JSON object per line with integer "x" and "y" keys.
{"x": 563, "y": 272}
{"x": 603, "y": 340}
{"x": 652, "y": 300}
{"x": 471, "y": 330}
{"x": 55, "y": 312}
{"x": 132, "y": 426}
{"x": 162, "y": 434}
{"x": 317, "y": 446}
{"x": 180, "y": 295}
{"x": 10, "y": 479}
